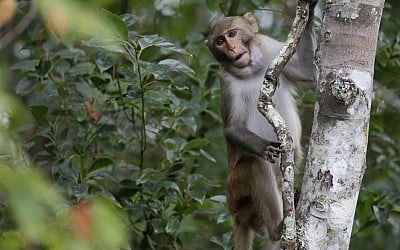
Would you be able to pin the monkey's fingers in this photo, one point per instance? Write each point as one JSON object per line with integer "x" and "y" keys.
{"x": 274, "y": 149}
{"x": 270, "y": 158}
{"x": 271, "y": 155}
{"x": 276, "y": 144}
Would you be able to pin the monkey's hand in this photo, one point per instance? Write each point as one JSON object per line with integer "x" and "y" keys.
{"x": 272, "y": 151}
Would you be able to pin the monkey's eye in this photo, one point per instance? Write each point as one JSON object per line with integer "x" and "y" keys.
{"x": 232, "y": 33}
{"x": 219, "y": 41}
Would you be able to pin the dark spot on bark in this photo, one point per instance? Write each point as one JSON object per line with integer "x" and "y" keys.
{"x": 325, "y": 178}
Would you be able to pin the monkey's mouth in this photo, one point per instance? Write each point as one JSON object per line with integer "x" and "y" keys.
{"x": 242, "y": 60}
{"x": 237, "y": 58}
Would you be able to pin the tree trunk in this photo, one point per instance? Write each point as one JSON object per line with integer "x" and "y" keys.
{"x": 338, "y": 145}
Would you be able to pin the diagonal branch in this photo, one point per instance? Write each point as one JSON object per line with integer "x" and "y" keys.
{"x": 265, "y": 106}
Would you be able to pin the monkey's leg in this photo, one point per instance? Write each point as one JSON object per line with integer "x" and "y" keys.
{"x": 268, "y": 244}
{"x": 243, "y": 237}
{"x": 268, "y": 200}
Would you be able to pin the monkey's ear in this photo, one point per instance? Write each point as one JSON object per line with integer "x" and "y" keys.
{"x": 207, "y": 43}
{"x": 251, "y": 20}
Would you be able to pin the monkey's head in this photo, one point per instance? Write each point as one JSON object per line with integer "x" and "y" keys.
{"x": 229, "y": 39}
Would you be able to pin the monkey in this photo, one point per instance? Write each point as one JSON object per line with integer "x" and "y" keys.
{"x": 254, "y": 178}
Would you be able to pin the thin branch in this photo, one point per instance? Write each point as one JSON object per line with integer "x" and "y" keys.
{"x": 265, "y": 106}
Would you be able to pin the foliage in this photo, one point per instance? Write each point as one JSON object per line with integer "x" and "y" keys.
{"x": 121, "y": 113}
{"x": 113, "y": 121}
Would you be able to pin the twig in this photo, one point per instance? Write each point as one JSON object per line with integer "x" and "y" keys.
{"x": 265, "y": 106}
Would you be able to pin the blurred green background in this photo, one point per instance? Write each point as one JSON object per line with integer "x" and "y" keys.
{"x": 110, "y": 133}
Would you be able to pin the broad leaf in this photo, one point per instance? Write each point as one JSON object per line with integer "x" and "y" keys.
{"x": 105, "y": 43}
{"x": 115, "y": 24}
{"x": 40, "y": 114}
{"x": 26, "y": 65}
{"x": 195, "y": 144}
{"x": 25, "y": 86}
{"x": 101, "y": 163}
{"x": 104, "y": 60}
{"x": 84, "y": 68}
{"x": 157, "y": 41}
{"x": 175, "y": 65}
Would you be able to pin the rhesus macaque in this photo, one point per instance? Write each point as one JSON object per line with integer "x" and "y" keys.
{"x": 254, "y": 178}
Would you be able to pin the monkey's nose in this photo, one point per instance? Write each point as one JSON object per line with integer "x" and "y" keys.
{"x": 231, "y": 47}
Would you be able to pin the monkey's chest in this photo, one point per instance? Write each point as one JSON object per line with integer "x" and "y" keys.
{"x": 256, "y": 122}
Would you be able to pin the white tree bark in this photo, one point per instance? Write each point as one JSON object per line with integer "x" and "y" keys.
{"x": 336, "y": 159}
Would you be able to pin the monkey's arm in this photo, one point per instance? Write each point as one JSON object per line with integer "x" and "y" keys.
{"x": 240, "y": 137}
{"x": 235, "y": 117}
{"x": 301, "y": 65}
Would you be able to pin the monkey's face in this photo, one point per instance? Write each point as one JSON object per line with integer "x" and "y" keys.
{"x": 233, "y": 45}
{"x": 230, "y": 38}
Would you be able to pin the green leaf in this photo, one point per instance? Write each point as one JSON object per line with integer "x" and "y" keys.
{"x": 65, "y": 170}
{"x": 170, "y": 144}
{"x": 172, "y": 226}
{"x": 84, "y": 68}
{"x": 80, "y": 190}
{"x": 158, "y": 225}
{"x": 381, "y": 213}
{"x": 175, "y": 65}
{"x": 140, "y": 225}
{"x": 190, "y": 122}
{"x": 146, "y": 175}
{"x": 110, "y": 197}
{"x": 160, "y": 72}
{"x": 105, "y": 43}
{"x": 155, "y": 205}
{"x": 72, "y": 53}
{"x": 101, "y": 163}
{"x": 40, "y": 114}
{"x": 197, "y": 194}
{"x": 104, "y": 60}
{"x": 100, "y": 80}
{"x": 223, "y": 217}
{"x": 219, "y": 198}
{"x": 101, "y": 175}
{"x": 115, "y": 24}
{"x": 86, "y": 90}
{"x": 207, "y": 156}
{"x": 43, "y": 67}
{"x": 170, "y": 185}
{"x": 50, "y": 44}
{"x": 195, "y": 144}
{"x": 225, "y": 241}
{"x": 157, "y": 41}
{"x": 169, "y": 211}
{"x": 62, "y": 66}
{"x": 128, "y": 183}
{"x": 196, "y": 179}
{"x": 25, "y": 86}
{"x": 26, "y": 65}
{"x": 129, "y": 19}
{"x": 62, "y": 92}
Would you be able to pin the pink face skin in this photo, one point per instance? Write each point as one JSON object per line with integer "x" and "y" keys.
{"x": 231, "y": 45}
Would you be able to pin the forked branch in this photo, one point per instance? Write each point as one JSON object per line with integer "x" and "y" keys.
{"x": 265, "y": 106}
